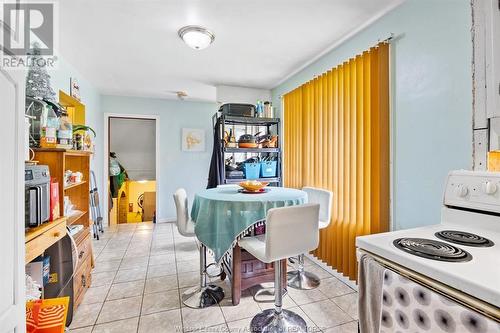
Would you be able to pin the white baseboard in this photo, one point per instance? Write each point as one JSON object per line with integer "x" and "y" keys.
{"x": 334, "y": 272}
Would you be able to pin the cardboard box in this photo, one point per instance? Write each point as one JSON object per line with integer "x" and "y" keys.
{"x": 39, "y": 270}
{"x": 55, "y": 208}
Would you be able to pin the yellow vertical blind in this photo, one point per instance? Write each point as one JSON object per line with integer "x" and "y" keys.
{"x": 336, "y": 136}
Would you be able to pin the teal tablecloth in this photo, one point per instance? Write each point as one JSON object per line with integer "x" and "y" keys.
{"x": 222, "y": 215}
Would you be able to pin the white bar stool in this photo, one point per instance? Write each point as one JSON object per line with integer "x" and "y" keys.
{"x": 301, "y": 279}
{"x": 289, "y": 232}
{"x": 204, "y": 295}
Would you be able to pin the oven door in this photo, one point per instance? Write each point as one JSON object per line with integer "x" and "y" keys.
{"x": 409, "y": 302}
{"x": 29, "y": 218}
{"x": 33, "y": 206}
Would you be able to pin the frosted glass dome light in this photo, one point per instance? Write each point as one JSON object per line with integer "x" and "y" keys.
{"x": 196, "y": 37}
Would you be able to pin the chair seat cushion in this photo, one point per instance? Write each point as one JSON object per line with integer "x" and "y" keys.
{"x": 255, "y": 245}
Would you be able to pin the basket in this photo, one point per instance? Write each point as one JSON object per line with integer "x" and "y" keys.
{"x": 268, "y": 169}
{"x": 252, "y": 170}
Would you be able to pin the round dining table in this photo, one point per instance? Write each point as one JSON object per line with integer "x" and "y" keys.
{"x": 222, "y": 215}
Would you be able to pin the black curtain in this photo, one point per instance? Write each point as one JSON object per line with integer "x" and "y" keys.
{"x": 215, "y": 173}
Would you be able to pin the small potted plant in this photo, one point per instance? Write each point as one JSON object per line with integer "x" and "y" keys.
{"x": 83, "y": 137}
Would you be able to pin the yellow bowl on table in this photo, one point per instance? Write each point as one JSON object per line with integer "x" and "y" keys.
{"x": 253, "y": 185}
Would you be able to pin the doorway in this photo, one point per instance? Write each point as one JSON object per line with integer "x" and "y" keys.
{"x": 131, "y": 168}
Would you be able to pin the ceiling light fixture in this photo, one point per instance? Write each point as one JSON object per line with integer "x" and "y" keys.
{"x": 196, "y": 37}
{"x": 181, "y": 95}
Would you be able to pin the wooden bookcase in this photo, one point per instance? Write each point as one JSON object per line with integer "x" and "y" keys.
{"x": 58, "y": 161}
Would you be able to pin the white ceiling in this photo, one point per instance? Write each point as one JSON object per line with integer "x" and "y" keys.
{"x": 131, "y": 47}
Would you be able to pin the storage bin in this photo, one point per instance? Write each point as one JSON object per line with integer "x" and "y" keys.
{"x": 252, "y": 170}
{"x": 268, "y": 169}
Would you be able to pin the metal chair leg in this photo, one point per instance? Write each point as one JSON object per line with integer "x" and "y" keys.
{"x": 301, "y": 279}
{"x": 278, "y": 319}
{"x": 203, "y": 295}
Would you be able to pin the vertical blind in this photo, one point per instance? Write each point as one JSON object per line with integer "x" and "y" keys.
{"x": 336, "y": 136}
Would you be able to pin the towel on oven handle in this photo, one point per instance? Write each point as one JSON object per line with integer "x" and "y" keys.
{"x": 370, "y": 284}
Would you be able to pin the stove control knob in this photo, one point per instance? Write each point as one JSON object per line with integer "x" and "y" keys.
{"x": 461, "y": 190}
{"x": 489, "y": 188}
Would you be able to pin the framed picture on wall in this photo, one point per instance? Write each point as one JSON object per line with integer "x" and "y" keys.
{"x": 74, "y": 88}
{"x": 193, "y": 139}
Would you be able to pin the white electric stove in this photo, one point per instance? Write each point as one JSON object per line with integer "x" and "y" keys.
{"x": 460, "y": 256}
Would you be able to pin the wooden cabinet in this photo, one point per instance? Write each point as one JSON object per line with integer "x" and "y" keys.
{"x": 245, "y": 271}
{"x": 59, "y": 161}
{"x": 84, "y": 247}
{"x": 82, "y": 278}
{"x": 40, "y": 238}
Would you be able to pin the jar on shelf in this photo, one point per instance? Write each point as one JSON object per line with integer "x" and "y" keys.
{"x": 49, "y": 127}
{"x": 65, "y": 132}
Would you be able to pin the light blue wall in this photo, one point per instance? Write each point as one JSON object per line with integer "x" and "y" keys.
{"x": 431, "y": 96}
{"x": 177, "y": 168}
{"x": 60, "y": 80}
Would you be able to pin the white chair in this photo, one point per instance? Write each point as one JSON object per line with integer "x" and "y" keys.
{"x": 301, "y": 279}
{"x": 289, "y": 232}
{"x": 203, "y": 295}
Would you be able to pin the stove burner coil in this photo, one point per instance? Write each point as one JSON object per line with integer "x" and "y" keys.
{"x": 464, "y": 238}
{"x": 432, "y": 249}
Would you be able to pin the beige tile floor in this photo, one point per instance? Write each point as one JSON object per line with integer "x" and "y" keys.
{"x": 142, "y": 269}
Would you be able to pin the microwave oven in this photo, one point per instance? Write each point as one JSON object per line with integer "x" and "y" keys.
{"x": 37, "y": 195}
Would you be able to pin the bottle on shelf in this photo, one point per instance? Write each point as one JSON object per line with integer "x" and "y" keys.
{"x": 49, "y": 127}
{"x": 268, "y": 109}
{"x": 65, "y": 132}
{"x": 259, "y": 109}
